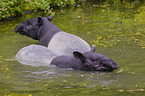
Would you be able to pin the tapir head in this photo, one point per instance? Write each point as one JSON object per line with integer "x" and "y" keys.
{"x": 95, "y": 62}
{"x": 30, "y": 27}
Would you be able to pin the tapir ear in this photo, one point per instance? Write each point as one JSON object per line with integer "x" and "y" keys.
{"x": 40, "y": 20}
{"x": 50, "y": 18}
{"x": 93, "y": 48}
{"x": 79, "y": 55}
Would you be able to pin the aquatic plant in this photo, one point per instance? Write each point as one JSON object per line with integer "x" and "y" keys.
{"x": 17, "y": 7}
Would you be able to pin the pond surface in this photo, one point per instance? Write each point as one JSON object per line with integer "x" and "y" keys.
{"x": 117, "y": 30}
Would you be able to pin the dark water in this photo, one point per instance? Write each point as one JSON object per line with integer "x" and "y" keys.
{"x": 118, "y": 32}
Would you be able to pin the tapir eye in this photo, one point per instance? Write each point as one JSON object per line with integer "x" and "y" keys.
{"x": 103, "y": 61}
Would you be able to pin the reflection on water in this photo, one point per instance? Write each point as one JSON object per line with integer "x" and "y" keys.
{"x": 117, "y": 33}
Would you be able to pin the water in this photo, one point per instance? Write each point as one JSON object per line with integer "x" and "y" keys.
{"x": 116, "y": 30}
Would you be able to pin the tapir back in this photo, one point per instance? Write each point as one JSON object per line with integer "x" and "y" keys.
{"x": 65, "y": 44}
{"x": 35, "y": 55}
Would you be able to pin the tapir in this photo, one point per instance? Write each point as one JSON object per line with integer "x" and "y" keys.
{"x": 88, "y": 61}
{"x": 49, "y": 35}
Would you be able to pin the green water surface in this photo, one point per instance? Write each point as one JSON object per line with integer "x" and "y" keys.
{"x": 117, "y": 30}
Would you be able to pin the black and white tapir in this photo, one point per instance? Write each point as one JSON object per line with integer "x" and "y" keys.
{"x": 88, "y": 61}
{"x": 49, "y": 35}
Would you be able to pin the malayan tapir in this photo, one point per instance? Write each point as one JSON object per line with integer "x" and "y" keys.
{"x": 51, "y": 36}
{"x": 88, "y": 61}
